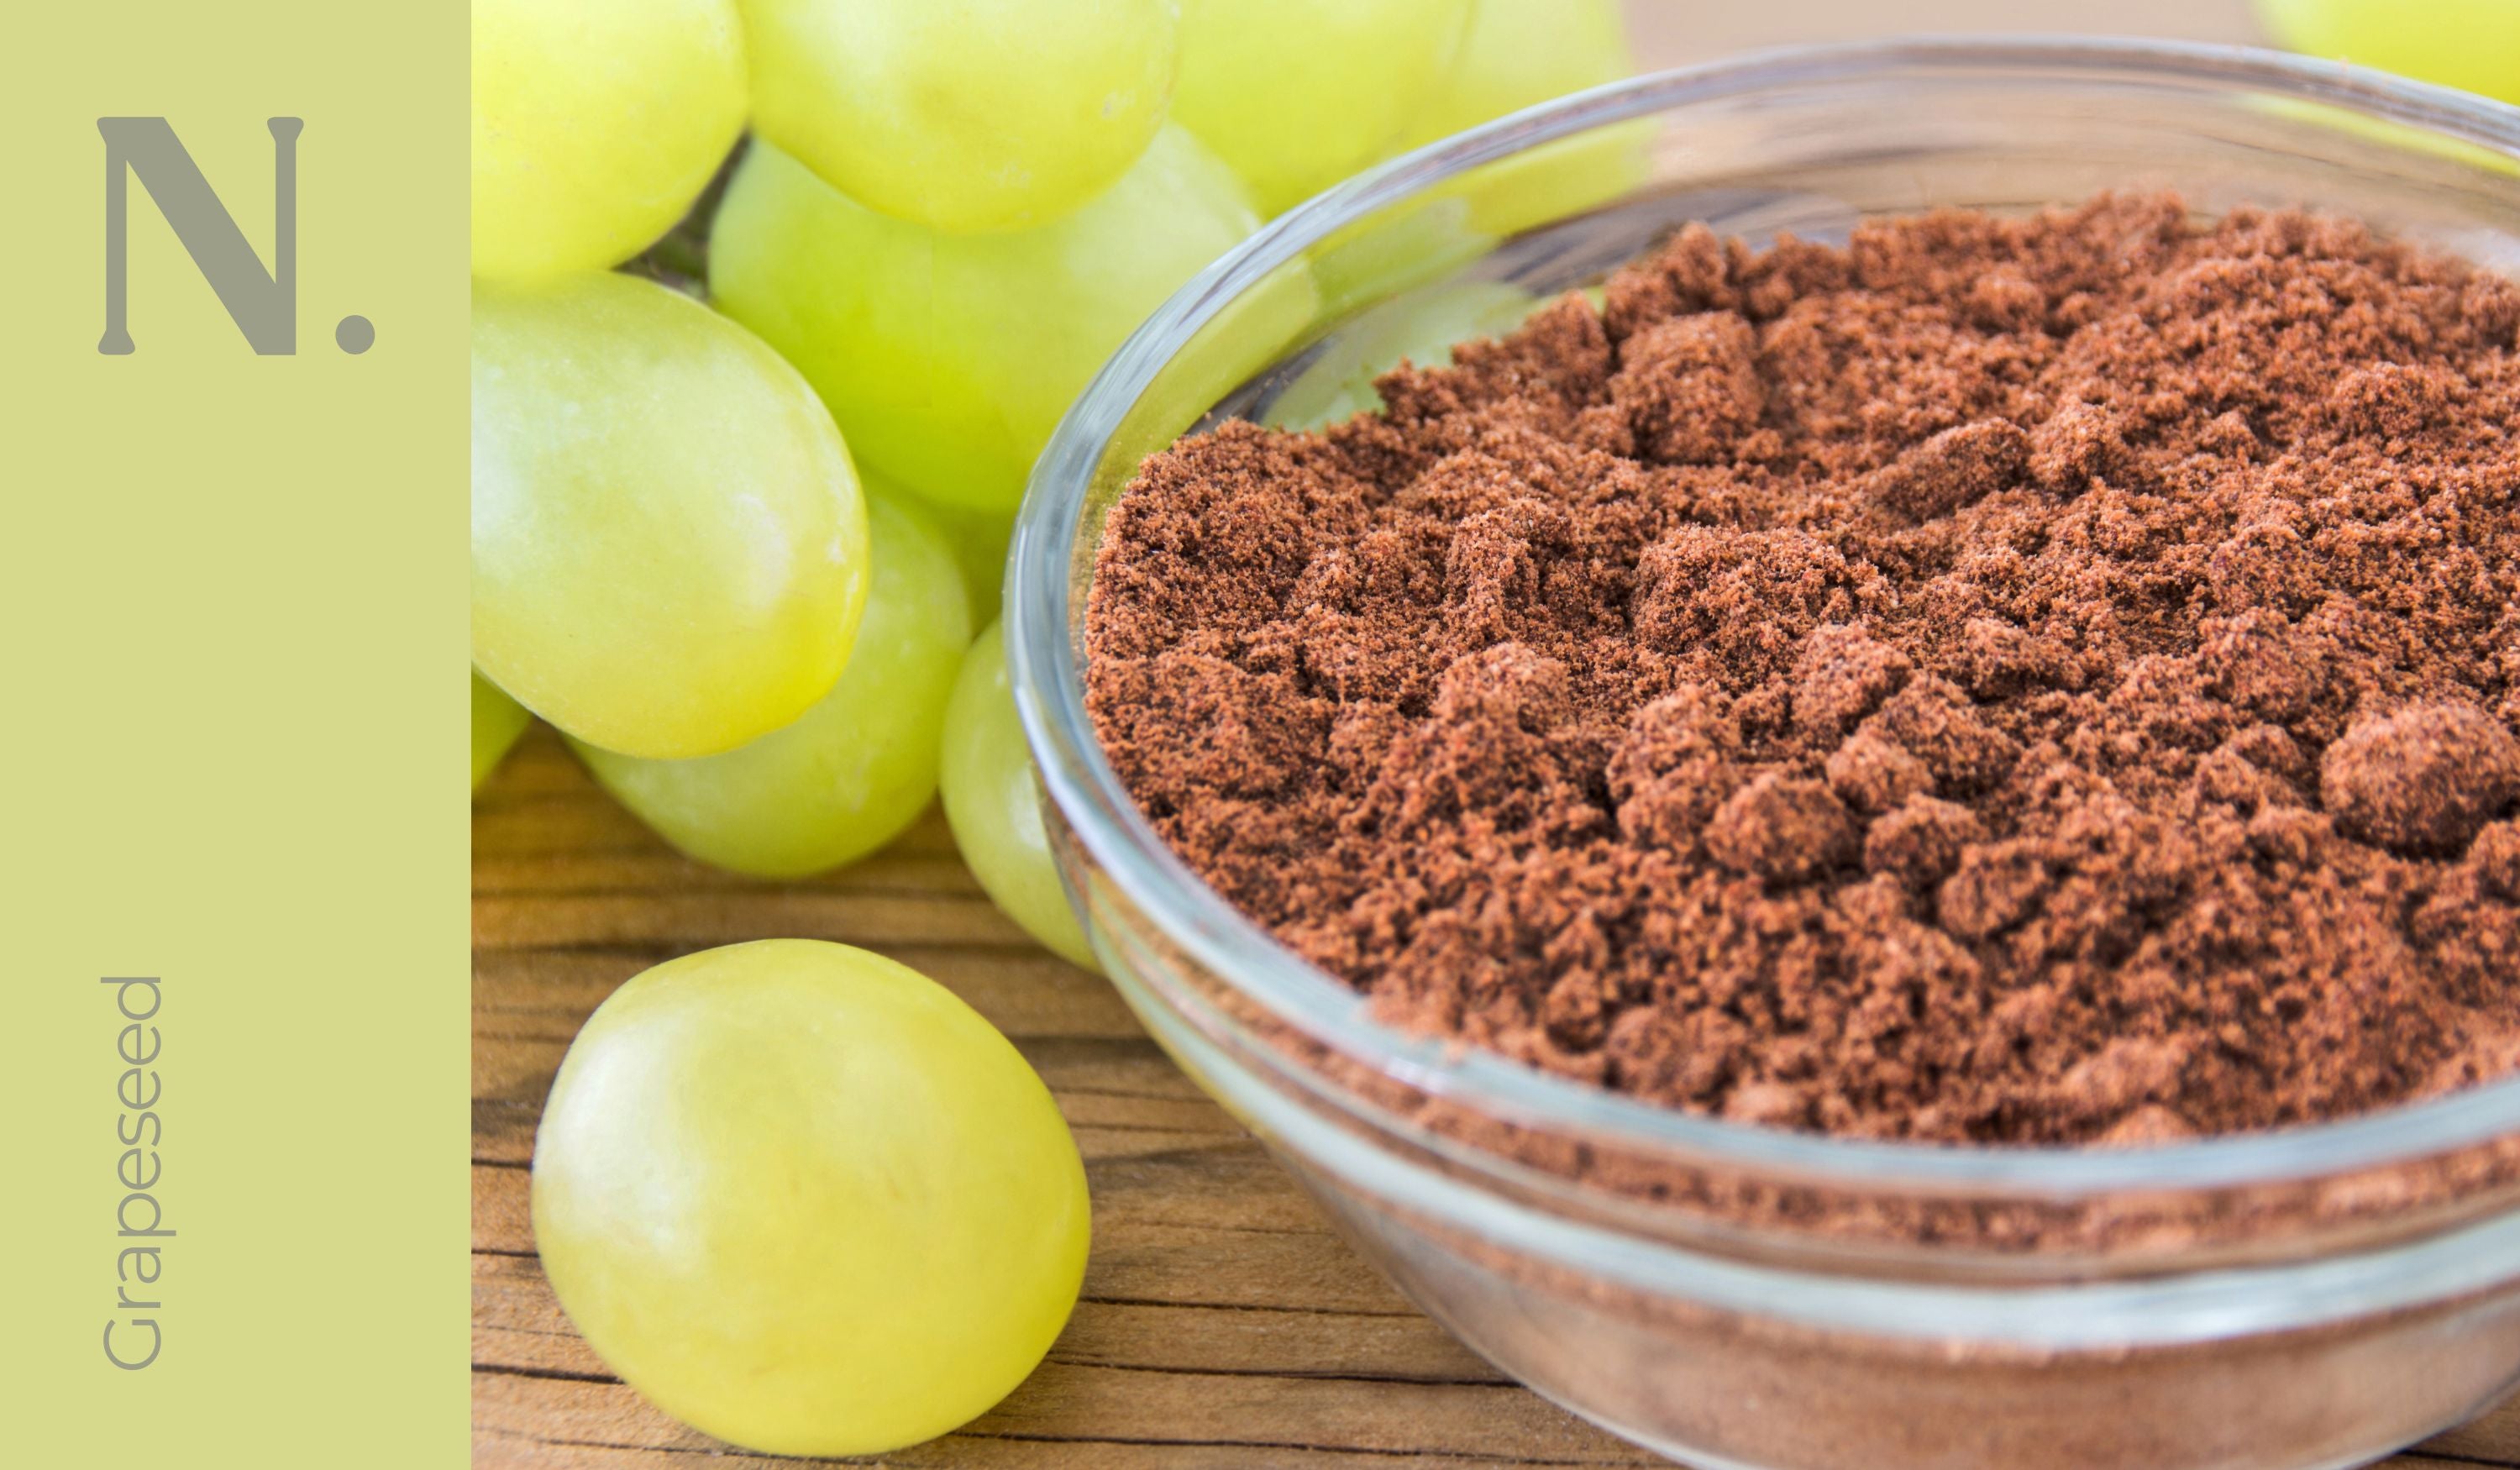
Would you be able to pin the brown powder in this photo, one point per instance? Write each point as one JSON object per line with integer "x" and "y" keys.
{"x": 2026, "y": 680}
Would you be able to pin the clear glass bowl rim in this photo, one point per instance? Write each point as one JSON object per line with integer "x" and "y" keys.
{"x": 1077, "y": 780}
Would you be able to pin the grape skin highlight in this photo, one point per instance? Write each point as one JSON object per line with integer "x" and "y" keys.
{"x": 948, "y": 359}
{"x": 669, "y": 543}
{"x": 594, "y": 126}
{"x": 981, "y": 116}
{"x": 806, "y": 1200}
{"x": 994, "y": 804}
{"x": 855, "y": 768}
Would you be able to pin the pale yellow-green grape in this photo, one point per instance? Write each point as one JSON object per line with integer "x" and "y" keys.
{"x": 497, "y": 721}
{"x": 949, "y": 358}
{"x": 806, "y": 1200}
{"x": 1298, "y": 94}
{"x": 1557, "y": 180}
{"x": 983, "y": 115}
{"x": 594, "y": 126}
{"x": 1252, "y": 330}
{"x": 1420, "y": 240}
{"x": 860, "y": 765}
{"x": 981, "y": 540}
{"x": 994, "y": 804}
{"x": 2474, "y": 44}
{"x": 668, "y": 543}
{"x": 1517, "y": 53}
{"x": 1420, "y": 328}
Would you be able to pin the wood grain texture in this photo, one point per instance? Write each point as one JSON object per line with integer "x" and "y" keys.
{"x": 1222, "y": 1325}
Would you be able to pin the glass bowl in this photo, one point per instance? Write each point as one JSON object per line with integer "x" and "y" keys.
{"x": 1727, "y": 1294}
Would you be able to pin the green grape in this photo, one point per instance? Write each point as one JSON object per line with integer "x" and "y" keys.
{"x": 1557, "y": 180}
{"x": 860, "y": 765}
{"x": 985, "y": 115}
{"x": 994, "y": 804}
{"x": 1256, "y": 329}
{"x": 1252, "y": 330}
{"x": 948, "y": 359}
{"x": 594, "y": 126}
{"x": 806, "y": 1200}
{"x": 497, "y": 721}
{"x": 1419, "y": 241}
{"x": 1517, "y": 53}
{"x": 2474, "y": 44}
{"x": 980, "y": 540}
{"x": 668, "y": 542}
{"x": 1419, "y": 328}
{"x": 1298, "y": 94}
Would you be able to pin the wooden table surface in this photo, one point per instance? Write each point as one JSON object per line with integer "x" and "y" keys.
{"x": 1223, "y": 1324}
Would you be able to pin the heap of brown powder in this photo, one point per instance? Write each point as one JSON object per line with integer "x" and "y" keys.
{"x": 2045, "y": 679}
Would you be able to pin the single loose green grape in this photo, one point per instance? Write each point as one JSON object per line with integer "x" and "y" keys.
{"x": 948, "y": 359}
{"x": 594, "y": 126}
{"x": 855, "y": 768}
{"x": 668, "y": 543}
{"x": 984, "y": 114}
{"x": 2474, "y": 44}
{"x": 994, "y": 804}
{"x": 1297, "y": 95}
{"x": 497, "y": 721}
{"x": 806, "y": 1200}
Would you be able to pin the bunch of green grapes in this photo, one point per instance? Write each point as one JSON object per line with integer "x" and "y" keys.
{"x": 733, "y": 537}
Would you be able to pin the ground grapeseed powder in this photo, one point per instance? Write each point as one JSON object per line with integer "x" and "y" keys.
{"x": 2045, "y": 679}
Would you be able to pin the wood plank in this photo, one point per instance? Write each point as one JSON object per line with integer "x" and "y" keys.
{"x": 519, "y": 1326}
{"x": 1179, "y": 1234}
{"x": 1028, "y": 993}
{"x": 968, "y": 1452}
{"x": 1476, "y": 1423}
{"x": 2494, "y": 1439}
